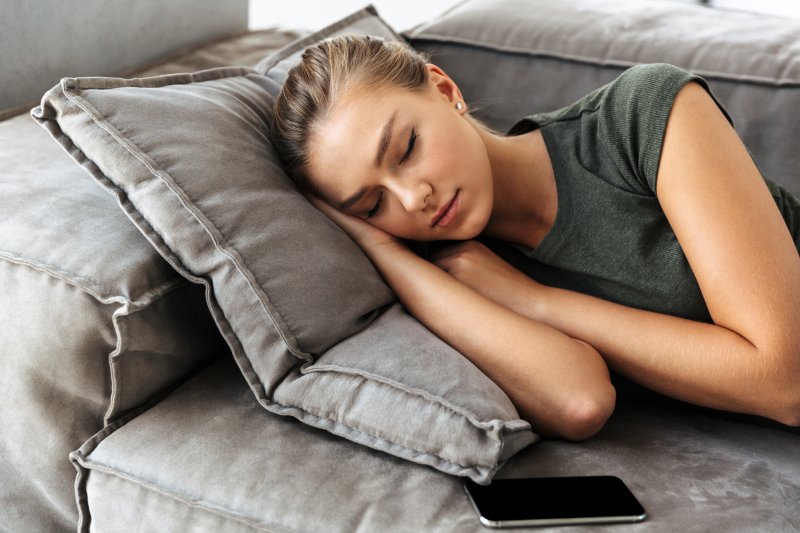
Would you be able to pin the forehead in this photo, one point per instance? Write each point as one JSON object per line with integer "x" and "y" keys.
{"x": 343, "y": 148}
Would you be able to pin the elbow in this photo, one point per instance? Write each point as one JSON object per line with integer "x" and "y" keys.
{"x": 788, "y": 406}
{"x": 784, "y": 402}
{"x": 787, "y": 412}
{"x": 792, "y": 380}
{"x": 586, "y": 416}
{"x": 792, "y": 419}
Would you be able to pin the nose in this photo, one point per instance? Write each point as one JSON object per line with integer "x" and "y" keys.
{"x": 414, "y": 195}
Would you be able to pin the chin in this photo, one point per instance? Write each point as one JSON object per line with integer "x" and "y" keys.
{"x": 474, "y": 232}
{"x": 470, "y": 229}
{"x": 477, "y": 225}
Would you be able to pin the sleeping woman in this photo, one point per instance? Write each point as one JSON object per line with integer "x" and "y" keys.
{"x": 652, "y": 244}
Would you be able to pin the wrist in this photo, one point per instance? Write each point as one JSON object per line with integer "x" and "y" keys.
{"x": 384, "y": 252}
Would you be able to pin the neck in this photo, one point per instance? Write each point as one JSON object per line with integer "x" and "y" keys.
{"x": 525, "y": 199}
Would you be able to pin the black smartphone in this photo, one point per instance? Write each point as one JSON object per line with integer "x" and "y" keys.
{"x": 552, "y": 501}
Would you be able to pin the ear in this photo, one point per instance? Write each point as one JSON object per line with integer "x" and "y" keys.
{"x": 444, "y": 86}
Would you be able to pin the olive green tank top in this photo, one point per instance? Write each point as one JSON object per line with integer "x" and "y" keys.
{"x": 611, "y": 238}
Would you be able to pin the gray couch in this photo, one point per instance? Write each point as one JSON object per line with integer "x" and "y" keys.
{"x": 111, "y": 352}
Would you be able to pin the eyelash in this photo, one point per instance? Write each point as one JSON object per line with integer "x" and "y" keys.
{"x": 411, "y": 142}
{"x": 374, "y": 211}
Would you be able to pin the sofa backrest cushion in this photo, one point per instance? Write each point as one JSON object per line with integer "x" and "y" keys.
{"x": 43, "y": 41}
{"x": 513, "y": 58}
{"x": 188, "y": 158}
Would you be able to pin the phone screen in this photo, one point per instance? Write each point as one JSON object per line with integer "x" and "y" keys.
{"x": 554, "y": 501}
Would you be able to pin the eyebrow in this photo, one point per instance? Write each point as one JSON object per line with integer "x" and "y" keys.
{"x": 386, "y": 137}
{"x": 383, "y": 145}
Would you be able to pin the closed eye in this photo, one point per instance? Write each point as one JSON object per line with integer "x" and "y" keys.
{"x": 374, "y": 211}
{"x": 412, "y": 139}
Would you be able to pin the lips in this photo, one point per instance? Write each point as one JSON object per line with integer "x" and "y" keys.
{"x": 445, "y": 216}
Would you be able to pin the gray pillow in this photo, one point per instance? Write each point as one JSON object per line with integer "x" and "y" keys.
{"x": 363, "y": 22}
{"x": 189, "y": 161}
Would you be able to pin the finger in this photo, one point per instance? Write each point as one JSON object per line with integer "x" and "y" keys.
{"x": 321, "y": 204}
{"x": 330, "y": 211}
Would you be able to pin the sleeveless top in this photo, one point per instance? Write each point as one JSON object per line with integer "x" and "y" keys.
{"x": 610, "y": 238}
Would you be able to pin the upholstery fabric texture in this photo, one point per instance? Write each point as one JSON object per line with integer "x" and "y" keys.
{"x": 93, "y": 321}
{"x": 89, "y": 308}
{"x": 691, "y": 471}
{"x": 43, "y": 41}
{"x": 506, "y": 54}
{"x": 188, "y": 159}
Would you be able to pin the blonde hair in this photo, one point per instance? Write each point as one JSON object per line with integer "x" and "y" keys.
{"x": 325, "y": 72}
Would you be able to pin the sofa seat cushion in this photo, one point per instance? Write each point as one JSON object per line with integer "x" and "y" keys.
{"x": 208, "y": 458}
{"x": 513, "y": 58}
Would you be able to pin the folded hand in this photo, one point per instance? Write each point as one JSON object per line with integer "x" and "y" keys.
{"x": 475, "y": 265}
{"x": 365, "y": 234}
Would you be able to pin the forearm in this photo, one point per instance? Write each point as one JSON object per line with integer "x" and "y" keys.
{"x": 693, "y": 361}
{"x": 547, "y": 374}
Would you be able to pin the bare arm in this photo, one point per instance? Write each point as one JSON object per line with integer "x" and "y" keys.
{"x": 745, "y": 262}
{"x": 560, "y": 385}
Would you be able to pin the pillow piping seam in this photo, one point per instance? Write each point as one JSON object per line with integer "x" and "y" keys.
{"x": 368, "y": 376}
{"x": 90, "y": 464}
{"x": 268, "y": 63}
{"x": 477, "y": 468}
{"x": 162, "y": 177}
{"x": 143, "y": 300}
{"x": 602, "y": 62}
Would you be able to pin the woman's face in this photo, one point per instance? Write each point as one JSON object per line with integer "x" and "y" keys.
{"x": 408, "y": 162}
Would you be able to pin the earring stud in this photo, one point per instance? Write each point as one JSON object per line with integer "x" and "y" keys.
{"x": 459, "y": 106}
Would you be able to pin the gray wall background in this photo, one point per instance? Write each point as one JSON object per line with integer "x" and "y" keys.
{"x": 42, "y": 41}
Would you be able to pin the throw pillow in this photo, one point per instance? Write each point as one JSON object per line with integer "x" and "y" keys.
{"x": 188, "y": 158}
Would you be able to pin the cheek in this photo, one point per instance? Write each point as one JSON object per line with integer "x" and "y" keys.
{"x": 451, "y": 155}
{"x": 394, "y": 220}
{"x": 402, "y": 224}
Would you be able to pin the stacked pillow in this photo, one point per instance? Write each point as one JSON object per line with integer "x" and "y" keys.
{"x": 314, "y": 329}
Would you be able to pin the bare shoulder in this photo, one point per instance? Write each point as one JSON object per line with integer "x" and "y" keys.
{"x": 728, "y": 224}
{"x": 693, "y": 97}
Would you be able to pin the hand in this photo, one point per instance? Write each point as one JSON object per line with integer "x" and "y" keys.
{"x": 475, "y": 265}
{"x": 365, "y": 234}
